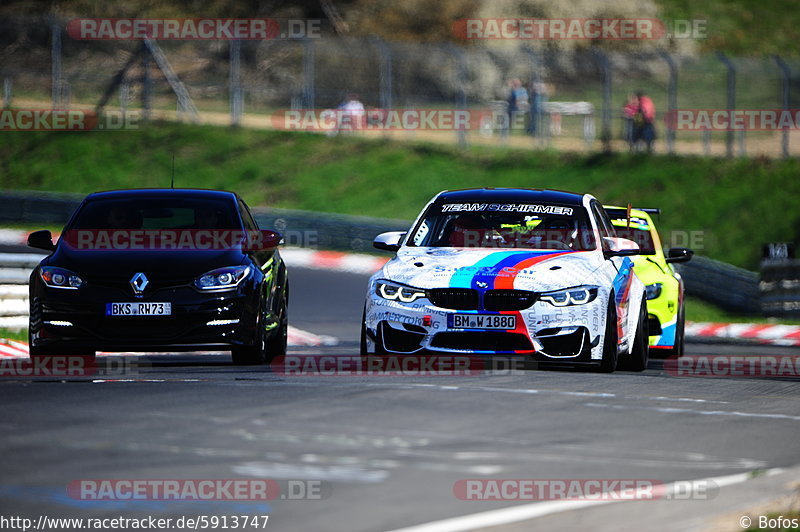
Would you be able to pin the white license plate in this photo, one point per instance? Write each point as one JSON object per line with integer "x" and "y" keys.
{"x": 482, "y": 321}
{"x": 138, "y": 309}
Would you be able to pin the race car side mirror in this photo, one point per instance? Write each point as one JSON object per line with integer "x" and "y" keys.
{"x": 619, "y": 247}
{"x": 389, "y": 241}
{"x": 679, "y": 255}
{"x": 41, "y": 240}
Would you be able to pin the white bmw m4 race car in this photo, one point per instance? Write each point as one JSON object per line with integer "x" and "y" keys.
{"x": 538, "y": 274}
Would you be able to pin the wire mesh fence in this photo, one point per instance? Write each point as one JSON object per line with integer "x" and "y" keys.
{"x": 568, "y": 99}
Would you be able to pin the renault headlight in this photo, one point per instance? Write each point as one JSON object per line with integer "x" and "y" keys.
{"x": 60, "y": 278}
{"x": 222, "y": 278}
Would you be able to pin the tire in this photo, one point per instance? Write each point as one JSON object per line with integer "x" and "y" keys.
{"x": 363, "y": 351}
{"x": 609, "y": 362}
{"x": 680, "y": 325}
{"x": 252, "y": 355}
{"x": 278, "y": 340}
{"x": 640, "y": 354}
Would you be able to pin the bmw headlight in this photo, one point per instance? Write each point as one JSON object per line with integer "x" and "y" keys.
{"x": 398, "y": 292}
{"x": 60, "y": 278}
{"x": 222, "y": 278}
{"x": 652, "y": 291}
{"x": 579, "y": 295}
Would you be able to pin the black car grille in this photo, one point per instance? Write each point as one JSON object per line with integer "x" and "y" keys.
{"x": 469, "y": 299}
{"x": 153, "y": 284}
{"x": 482, "y": 341}
{"x": 454, "y": 298}
{"x": 508, "y": 299}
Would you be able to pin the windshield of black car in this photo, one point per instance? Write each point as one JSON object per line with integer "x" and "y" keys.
{"x": 157, "y": 214}
{"x": 504, "y": 225}
{"x": 636, "y": 229}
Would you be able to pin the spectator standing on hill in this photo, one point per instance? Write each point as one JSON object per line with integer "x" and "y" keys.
{"x": 538, "y": 97}
{"x": 628, "y": 113}
{"x": 517, "y": 102}
{"x": 643, "y": 121}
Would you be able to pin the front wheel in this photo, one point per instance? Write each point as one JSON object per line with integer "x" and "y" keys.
{"x": 609, "y": 362}
{"x": 279, "y": 338}
{"x": 252, "y": 355}
{"x": 680, "y": 325}
{"x": 640, "y": 354}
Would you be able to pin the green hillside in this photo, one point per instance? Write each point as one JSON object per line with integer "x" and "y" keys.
{"x": 726, "y": 209}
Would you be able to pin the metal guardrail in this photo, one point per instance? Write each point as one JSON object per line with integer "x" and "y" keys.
{"x": 338, "y": 232}
{"x": 779, "y": 287}
{"x": 732, "y": 288}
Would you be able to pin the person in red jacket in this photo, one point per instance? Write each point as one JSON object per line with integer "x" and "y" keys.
{"x": 643, "y": 121}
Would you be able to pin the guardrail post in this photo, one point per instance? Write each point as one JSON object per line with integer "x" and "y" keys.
{"x": 235, "y": 86}
{"x": 8, "y": 90}
{"x": 384, "y": 71}
{"x": 785, "y": 84}
{"x": 731, "y": 90}
{"x": 537, "y": 116}
{"x": 672, "y": 96}
{"x": 461, "y": 95}
{"x": 147, "y": 85}
{"x": 124, "y": 95}
{"x": 55, "y": 55}
{"x": 605, "y": 69}
{"x": 308, "y": 73}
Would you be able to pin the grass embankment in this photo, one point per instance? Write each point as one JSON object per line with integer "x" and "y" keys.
{"x": 725, "y": 209}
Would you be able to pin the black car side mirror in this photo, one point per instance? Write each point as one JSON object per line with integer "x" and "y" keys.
{"x": 261, "y": 240}
{"x": 679, "y": 255}
{"x": 41, "y": 240}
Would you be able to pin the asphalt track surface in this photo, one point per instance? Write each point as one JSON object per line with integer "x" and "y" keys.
{"x": 385, "y": 451}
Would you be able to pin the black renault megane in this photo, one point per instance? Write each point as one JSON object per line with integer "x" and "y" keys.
{"x": 160, "y": 270}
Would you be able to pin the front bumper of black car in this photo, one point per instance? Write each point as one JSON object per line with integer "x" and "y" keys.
{"x": 76, "y": 319}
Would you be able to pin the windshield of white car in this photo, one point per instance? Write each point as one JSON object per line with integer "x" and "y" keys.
{"x": 636, "y": 229}
{"x": 504, "y": 226}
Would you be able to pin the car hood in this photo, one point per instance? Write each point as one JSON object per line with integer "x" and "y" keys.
{"x": 166, "y": 265}
{"x": 650, "y": 271}
{"x": 537, "y": 270}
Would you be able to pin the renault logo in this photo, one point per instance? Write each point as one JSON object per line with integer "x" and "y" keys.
{"x": 139, "y": 282}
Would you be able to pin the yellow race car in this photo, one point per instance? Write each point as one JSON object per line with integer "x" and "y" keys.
{"x": 663, "y": 285}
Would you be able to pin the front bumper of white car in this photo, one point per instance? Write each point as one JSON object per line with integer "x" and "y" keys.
{"x": 453, "y": 320}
